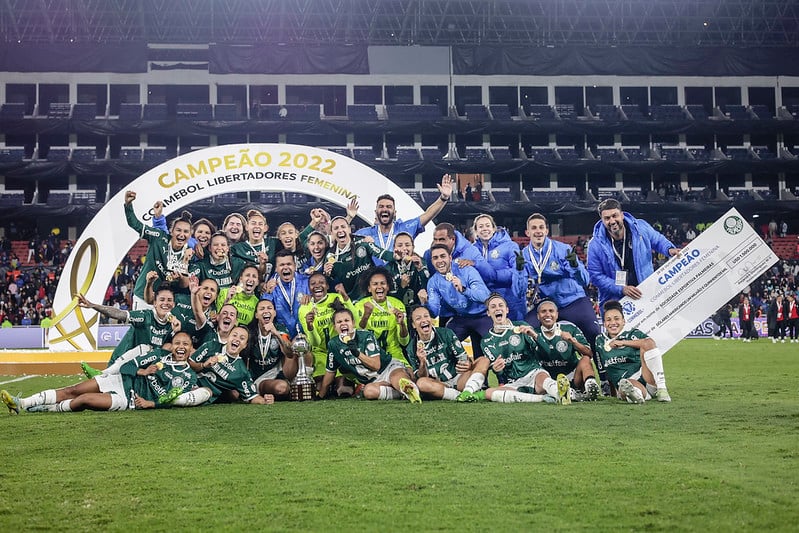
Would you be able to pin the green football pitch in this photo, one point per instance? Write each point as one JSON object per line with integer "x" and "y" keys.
{"x": 723, "y": 456}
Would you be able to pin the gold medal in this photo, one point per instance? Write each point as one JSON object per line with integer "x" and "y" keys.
{"x": 608, "y": 347}
{"x": 159, "y": 365}
{"x": 556, "y": 330}
{"x": 420, "y": 344}
{"x": 449, "y": 276}
{"x": 331, "y": 258}
{"x": 346, "y": 339}
{"x": 517, "y": 329}
{"x": 221, "y": 358}
{"x": 168, "y": 317}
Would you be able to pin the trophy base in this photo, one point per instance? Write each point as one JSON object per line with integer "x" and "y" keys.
{"x": 303, "y": 392}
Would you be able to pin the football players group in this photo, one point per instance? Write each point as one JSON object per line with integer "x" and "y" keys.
{"x": 227, "y": 315}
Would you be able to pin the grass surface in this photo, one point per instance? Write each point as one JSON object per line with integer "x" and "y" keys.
{"x": 723, "y": 456}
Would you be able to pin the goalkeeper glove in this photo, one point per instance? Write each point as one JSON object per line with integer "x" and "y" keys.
{"x": 519, "y": 261}
{"x": 571, "y": 257}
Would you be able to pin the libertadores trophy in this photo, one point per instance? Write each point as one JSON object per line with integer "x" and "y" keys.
{"x": 303, "y": 387}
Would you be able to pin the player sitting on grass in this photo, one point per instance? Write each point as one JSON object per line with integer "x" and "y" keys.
{"x": 633, "y": 362}
{"x": 510, "y": 350}
{"x": 357, "y": 352}
{"x": 271, "y": 362}
{"x": 563, "y": 349}
{"x": 441, "y": 365}
{"x": 151, "y": 380}
{"x": 223, "y": 371}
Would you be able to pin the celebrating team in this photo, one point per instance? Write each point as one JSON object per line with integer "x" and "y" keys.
{"x": 215, "y": 313}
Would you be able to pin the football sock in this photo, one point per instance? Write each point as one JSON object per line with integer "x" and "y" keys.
{"x": 193, "y": 398}
{"x": 389, "y": 393}
{"x": 450, "y": 394}
{"x": 512, "y": 396}
{"x": 64, "y": 407}
{"x": 475, "y": 382}
{"x": 550, "y": 386}
{"x": 654, "y": 361}
{"x": 46, "y": 397}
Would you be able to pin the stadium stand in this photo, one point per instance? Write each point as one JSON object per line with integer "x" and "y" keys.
{"x": 362, "y": 112}
{"x": 226, "y": 112}
{"x": 500, "y": 112}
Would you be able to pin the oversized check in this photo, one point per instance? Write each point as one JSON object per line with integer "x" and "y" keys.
{"x": 691, "y": 286}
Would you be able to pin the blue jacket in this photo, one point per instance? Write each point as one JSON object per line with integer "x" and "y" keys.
{"x": 465, "y": 250}
{"x": 560, "y": 282}
{"x": 602, "y": 264}
{"x": 444, "y": 300}
{"x": 510, "y": 283}
{"x": 284, "y": 312}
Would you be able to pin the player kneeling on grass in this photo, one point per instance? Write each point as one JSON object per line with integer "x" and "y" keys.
{"x": 357, "y": 352}
{"x": 440, "y": 363}
{"x": 563, "y": 349}
{"x": 151, "y": 380}
{"x": 633, "y": 362}
{"x": 222, "y": 372}
{"x": 511, "y": 352}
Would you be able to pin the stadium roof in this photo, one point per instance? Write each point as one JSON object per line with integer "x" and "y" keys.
{"x": 738, "y": 23}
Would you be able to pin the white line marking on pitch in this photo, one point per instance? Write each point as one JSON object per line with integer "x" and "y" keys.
{"x": 23, "y": 378}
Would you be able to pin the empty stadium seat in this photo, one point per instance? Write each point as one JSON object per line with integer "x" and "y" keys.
{"x": 763, "y": 152}
{"x": 502, "y": 196}
{"x": 633, "y": 112}
{"x": 408, "y": 153}
{"x": 155, "y": 154}
{"x": 341, "y": 150}
{"x": 540, "y": 112}
{"x": 416, "y": 194}
{"x": 226, "y": 112}
{"x": 699, "y": 154}
{"x": 413, "y": 112}
{"x": 296, "y": 198}
{"x": 194, "y": 111}
{"x": 155, "y": 112}
{"x": 567, "y": 153}
{"x": 565, "y": 111}
{"x": 673, "y": 153}
{"x": 299, "y": 112}
{"x": 635, "y": 153}
{"x": 762, "y": 112}
{"x": 698, "y": 112}
{"x": 738, "y": 153}
{"x": 12, "y": 110}
{"x": 58, "y": 153}
{"x": 737, "y": 112}
{"x": 500, "y": 112}
{"x": 84, "y": 111}
{"x": 608, "y": 113}
{"x": 667, "y": 112}
{"x": 130, "y": 153}
{"x": 271, "y": 197}
{"x": 361, "y": 112}
{"x": 58, "y": 198}
{"x": 12, "y": 199}
{"x": 476, "y": 153}
{"x": 431, "y": 153}
{"x": 59, "y": 110}
{"x": 363, "y": 153}
{"x": 608, "y": 154}
{"x": 130, "y": 112}
{"x": 11, "y": 155}
{"x": 501, "y": 153}
{"x": 541, "y": 153}
{"x": 476, "y": 112}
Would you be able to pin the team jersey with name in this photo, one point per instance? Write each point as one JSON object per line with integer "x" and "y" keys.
{"x": 341, "y": 356}
{"x": 443, "y": 350}
{"x": 416, "y": 281}
{"x": 224, "y": 376}
{"x": 145, "y": 329}
{"x": 620, "y": 362}
{"x": 244, "y": 304}
{"x": 323, "y": 329}
{"x": 248, "y": 252}
{"x": 354, "y": 261}
{"x": 383, "y": 323}
{"x": 188, "y": 324}
{"x": 556, "y": 355}
{"x": 225, "y": 273}
{"x": 265, "y": 353}
{"x": 172, "y": 375}
{"x": 517, "y": 349}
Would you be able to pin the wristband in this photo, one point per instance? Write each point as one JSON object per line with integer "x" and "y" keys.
{"x": 444, "y": 199}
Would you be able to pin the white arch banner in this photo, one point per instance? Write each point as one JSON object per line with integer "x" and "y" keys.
{"x": 196, "y": 176}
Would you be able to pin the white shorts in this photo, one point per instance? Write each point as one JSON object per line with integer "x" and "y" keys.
{"x": 269, "y": 374}
{"x": 112, "y": 384}
{"x": 527, "y": 380}
{"x": 452, "y": 383}
{"x": 391, "y": 367}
